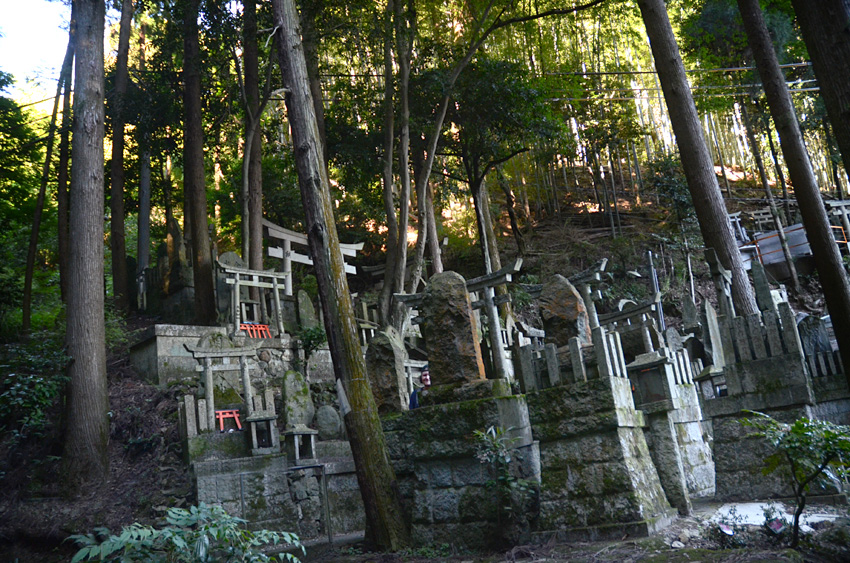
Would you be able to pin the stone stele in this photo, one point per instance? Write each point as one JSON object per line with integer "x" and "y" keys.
{"x": 451, "y": 336}
{"x": 563, "y": 312}
{"x": 385, "y": 366}
{"x": 298, "y": 405}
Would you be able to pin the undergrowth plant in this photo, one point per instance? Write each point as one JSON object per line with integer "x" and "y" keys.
{"x": 807, "y": 452}
{"x": 32, "y": 379}
{"x": 200, "y": 534}
{"x": 495, "y": 450}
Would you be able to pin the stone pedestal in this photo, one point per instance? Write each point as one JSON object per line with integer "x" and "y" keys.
{"x": 598, "y": 479}
{"x": 449, "y": 492}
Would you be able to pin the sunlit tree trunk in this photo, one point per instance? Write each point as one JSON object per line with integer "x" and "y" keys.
{"x": 699, "y": 170}
{"x": 827, "y": 258}
{"x": 117, "y": 237}
{"x": 87, "y": 423}
{"x": 385, "y": 521}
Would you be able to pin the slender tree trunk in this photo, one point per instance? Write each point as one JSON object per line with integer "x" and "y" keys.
{"x": 486, "y": 241}
{"x": 62, "y": 184}
{"x": 827, "y": 258}
{"x": 310, "y": 40}
{"x": 699, "y": 170}
{"x": 720, "y": 156}
{"x": 510, "y": 200}
{"x": 386, "y": 526}
{"x": 117, "y": 236}
{"x": 825, "y": 25}
{"x": 404, "y": 32}
{"x": 777, "y": 222}
{"x": 87, "y": 429}
{"x": 254, "y": 157}
{"x": 144, "y": 225}
{"x": 832, "y": 157}
{"x": 193, "y": 170}
{"x": 64, "y": 79}
{"x": 144, "y": 242}
{"x": 388, "y": 183}
{"x": 786, "y": 202}
{"x": 434, "y": 247}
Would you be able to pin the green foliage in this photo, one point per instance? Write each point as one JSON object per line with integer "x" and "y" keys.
{"x": 311, "y": 338}
{"x": 20, "y": 153}
{"x": 495, "y": 450}
{"x": 498, "y": 111}
{"x": 117, "y": 336}
{"x": 32, "y": 379}
{"x": 520, "y": 297}
{"x": 807, "y": 452}
{"x": 200, "y": 534}
{"x": 668, "y": 179}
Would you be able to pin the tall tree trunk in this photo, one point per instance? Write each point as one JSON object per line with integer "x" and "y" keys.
{"x": 310, "y": 40}
{"x": 388, "y": 184}
{"x": 87, "y": 422}
{"x": 64, "y": 81}
{"x": 195, "y": 194}
{"x": 117, "y": 237}
{"x": 827, "y": 258}
{"x": 144, "y": 225}
{"x": 699, "y": 170}
{"x": 404, "y": 34}
{"x": 386, "y": 526}
{"x": 253, "y": 159}
{"x": 826, "y": 30}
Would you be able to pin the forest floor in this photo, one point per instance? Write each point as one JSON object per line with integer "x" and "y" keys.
{"x": 147, "y": 475}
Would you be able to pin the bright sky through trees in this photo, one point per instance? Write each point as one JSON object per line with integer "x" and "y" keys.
{"x": 33, "y": 37}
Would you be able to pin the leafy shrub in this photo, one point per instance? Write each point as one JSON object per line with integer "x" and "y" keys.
{"x": 202, "y": 533}
{"x": 32, "y": 380}
{"x": 808, "y": 451}
{"x": 496, "y": 451}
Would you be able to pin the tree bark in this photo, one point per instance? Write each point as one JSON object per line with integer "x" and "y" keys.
{"x": 827, "y": 258}
{"x": 404, "y": 34}
{"x": 194, "y": 188}
{"x": 117, "y": 235}
{"x": 144, "y": 225}
{"x": 434, "y": 247}
{"x": 826, "y": 30}
{"x": 253, "y": 159}
{"x": 699, "y": 170}
{"x": 87, "y": 430}
{"x": 386, "y": 526}
{"x": 388, "y": 185}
